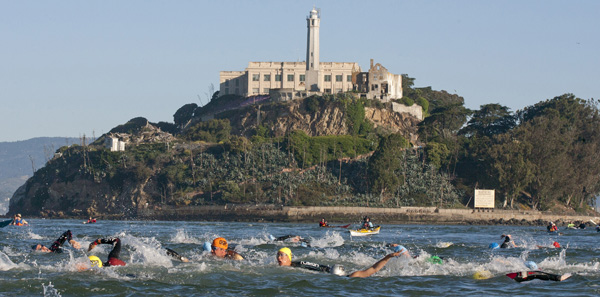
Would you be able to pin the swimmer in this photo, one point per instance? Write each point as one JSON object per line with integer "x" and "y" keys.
{"x": 57, "y": 245}
{"x": 113, "y": 256}
{"x": 535, "y": 273}
{"x": 291, "y": 238}
{"x": 284, "y": 258}
{"x": 219, "y": 248}
{"x": 508, "y": 242}
{"x": 554, "y": 245}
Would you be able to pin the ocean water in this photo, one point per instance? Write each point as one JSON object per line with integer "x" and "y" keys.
{"x": 150, "y": 272}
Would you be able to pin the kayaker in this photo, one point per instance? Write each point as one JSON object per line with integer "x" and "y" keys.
{"x": 56, "y": 247}
{"x": 323, "y": 223}
{"x": 367, "y": 224}
{"x": 91, "y": 220}
{"x": 508, "y": 242}
{"x": 535, "y": 273}
{"x": 113, "y": 256}
{"x": 552, "y": 227}
{"x": 18, "y": 221}
{"x": 284, "y": 258}
{"x": 219, "y": 248}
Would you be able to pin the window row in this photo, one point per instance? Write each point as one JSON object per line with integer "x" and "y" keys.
{"x": 302, "y": 77}
{"x": 266, "y": 91}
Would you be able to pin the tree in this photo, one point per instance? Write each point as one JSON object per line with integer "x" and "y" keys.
{"x": 443, "y": 123}
{"x": 184, "y": 114}
{"x": 385, "y": 163}
{"x": 489, "y": 120}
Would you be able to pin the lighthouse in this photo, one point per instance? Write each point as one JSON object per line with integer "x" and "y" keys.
{"x": 312, "y": 52}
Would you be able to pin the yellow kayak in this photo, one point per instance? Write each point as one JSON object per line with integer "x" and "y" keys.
{"x": 365, "y": 232}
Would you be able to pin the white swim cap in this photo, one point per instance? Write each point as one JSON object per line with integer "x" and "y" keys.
{"x": 338, "y": 270}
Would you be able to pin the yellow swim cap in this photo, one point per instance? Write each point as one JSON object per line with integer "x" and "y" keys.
{"x": 286, "y": 251}
{"x": 96, "y": 262}
{"x": 220, "y": 242}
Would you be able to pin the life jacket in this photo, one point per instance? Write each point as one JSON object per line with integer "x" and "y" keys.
{"x": 19, "y": 222}
{"x": 322, "y": 224}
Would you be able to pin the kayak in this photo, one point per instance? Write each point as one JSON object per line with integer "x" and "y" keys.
{"x": 365, "y": 232}
{"x": 345, "y": 226}
{"x": 5, "y": 223}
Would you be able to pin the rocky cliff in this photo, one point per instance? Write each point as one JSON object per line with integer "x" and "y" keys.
{"x": 329, "y": 119}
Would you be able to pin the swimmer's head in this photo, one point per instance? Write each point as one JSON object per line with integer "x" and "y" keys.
{"x": 400, "y": 249}
{"x": 338, "y": 270}
{"x": 284, "y": 257}
{"x": 531, "y": 265}
{"x": 95, "y": 261}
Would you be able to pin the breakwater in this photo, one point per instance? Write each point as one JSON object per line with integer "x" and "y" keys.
{"x": 333, "y": 214}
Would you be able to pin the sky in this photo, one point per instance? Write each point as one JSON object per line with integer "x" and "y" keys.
{"x": 74, "y": 68}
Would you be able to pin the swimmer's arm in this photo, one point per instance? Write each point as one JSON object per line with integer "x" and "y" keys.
{"x": 234, "y": 255}
{"x": 75, "y": 244}
{"x": 376, "y": 267}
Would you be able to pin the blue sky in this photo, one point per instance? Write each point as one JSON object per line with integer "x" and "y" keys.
{"x": 69, "y": 68}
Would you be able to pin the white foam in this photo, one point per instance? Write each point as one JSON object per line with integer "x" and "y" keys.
{"x": 6, "y": 263}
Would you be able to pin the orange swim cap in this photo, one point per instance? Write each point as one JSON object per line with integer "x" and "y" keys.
{"x": 220, "y": 242}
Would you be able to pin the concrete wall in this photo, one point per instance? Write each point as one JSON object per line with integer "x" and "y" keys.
{"x": 403, "y": 215}
{"x": 415, "y": 110}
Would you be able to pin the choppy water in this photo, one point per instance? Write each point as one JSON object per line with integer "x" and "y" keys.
{"x": 150, "y": 272}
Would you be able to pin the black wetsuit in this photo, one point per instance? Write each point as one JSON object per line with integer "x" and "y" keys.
{"x": 507, "y": 243}
{"x": 57, "y": 245}
{"x": 113, "y": 256}
{"x": 531, "y": 275}
{"x": 175, "y": 255}
{"x": 285, "y": 237}
{"x": 311, "y": 266}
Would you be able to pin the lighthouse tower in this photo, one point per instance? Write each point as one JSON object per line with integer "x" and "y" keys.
{"x": 312, "y": 52}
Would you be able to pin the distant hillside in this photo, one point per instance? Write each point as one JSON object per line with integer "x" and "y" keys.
{"x": 16, "y": 160}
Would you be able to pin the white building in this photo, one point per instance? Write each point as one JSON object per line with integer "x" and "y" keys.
{"x": 115, "y": 144}
{"x": 290, "y": 80}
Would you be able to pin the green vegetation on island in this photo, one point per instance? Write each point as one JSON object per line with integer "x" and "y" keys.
{"x": 328, "y": 150}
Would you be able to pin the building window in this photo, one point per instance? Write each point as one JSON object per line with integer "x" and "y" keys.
{"x": 226, "y": 91}
{"x": 255, "y": 77}
{"x": 328, "y": 77}
{"x": 267, "y": 77}
{"x": 338, "y": 77}
{"x": 227, "y": 83}
{"x": 349, "y": 78}
{"x": 237, "y": 82}
{"x": 255, "y": 91}
{"x": 290, "y": 77}
{"x": 302, "y": 77}
{"x": 277, "y": 77}
{"x": 328, "y": 91}
{"x": 266, "y": 90}
{"x": 237, "y": 91}
{"x": 338, "y": 90}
